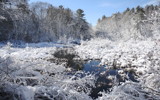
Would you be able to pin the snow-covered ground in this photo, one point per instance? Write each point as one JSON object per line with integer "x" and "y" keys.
{"x": 28, "y": 74}
{"x": 142, "y": 57}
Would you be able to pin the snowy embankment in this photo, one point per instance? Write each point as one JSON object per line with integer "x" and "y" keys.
{"x": 142, "y": 57}
{"x": 27, "y": 74}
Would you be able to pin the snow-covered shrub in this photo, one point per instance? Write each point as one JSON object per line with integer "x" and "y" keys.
{"x": 130, "y": 91}
{"x": 139, "y": 57}
{"x": 68, "y": 56}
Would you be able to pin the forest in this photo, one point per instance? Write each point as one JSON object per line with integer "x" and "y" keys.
{"x": 41, "y": 22}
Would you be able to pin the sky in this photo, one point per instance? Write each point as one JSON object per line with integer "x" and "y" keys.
{"x": 95, "y": 9}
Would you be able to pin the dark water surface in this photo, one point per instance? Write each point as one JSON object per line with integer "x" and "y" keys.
{"x": 106, "y": 78}
{"x": 104, "y": 83}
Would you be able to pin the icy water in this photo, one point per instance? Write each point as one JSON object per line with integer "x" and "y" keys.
{"x": 92, "y": 66}
{"x": 105, "y": 78}
{"x": 103, "y": 83}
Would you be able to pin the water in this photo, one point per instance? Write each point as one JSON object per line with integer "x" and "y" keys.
{"x": 106, "y": 78}
{"x": 104, "y": 83}
{"x": 92, "y": 66}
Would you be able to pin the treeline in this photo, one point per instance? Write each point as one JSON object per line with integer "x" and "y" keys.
{"x": 41, "y": 21}
{"x": 135, "y": 23}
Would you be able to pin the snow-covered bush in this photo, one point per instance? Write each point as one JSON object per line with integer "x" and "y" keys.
{"x": 27, "y": 75}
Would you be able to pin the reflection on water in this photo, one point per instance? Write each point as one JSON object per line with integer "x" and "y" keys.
{"x": 106, "y": 78}
{"x": 92, "y": 66}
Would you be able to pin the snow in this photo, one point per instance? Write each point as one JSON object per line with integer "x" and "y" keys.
{"x": 135, "y": 53}
{"x": 31, "y": 74}
{"x": 27, "y": 72}
{"x": 140, "y": 56}
{"x": 2, "y": 18}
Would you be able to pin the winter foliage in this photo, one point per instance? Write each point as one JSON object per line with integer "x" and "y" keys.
{"x": 28, "y": 74}
{"x": 136, "y": 23}
{"x": 41, "y": 22}
{"x": 43, "y": 50}
{"x": 142, "y": 57}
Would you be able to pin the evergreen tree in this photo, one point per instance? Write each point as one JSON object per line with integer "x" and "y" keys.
{"x": 104, "y": 17}
{"x": 127, "y": 10}
{"x": 132, "y": 10}
{"x": 80, "y": 13}
{"x": 61, "y": 7}
{"x": 99, "y": 20}
{"x": 140, "y": 11}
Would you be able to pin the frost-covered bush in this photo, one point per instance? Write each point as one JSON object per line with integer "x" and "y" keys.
{"x": 27, "y": 75}
{"x": 141, "y": 57}
{"x": 68, "y": 56}
{"x": 6, "y": 70}
{"x": 129, "y": 91}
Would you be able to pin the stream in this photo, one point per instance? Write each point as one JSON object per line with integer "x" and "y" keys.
{"x": 106, "y": 77}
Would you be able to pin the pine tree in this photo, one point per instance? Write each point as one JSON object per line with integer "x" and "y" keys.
{"x": 80, "y": 13}
{"x": 127, "y": 10}
{"x": 61, "y": 7}
{"x": 104, "y": 17}
{"x": 140, "y": 11}
{"x": 132, "y": 10}
{"x": 99, "y": 20}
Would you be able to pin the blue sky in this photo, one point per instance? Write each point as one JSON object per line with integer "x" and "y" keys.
{"x": 95, "y": 9}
